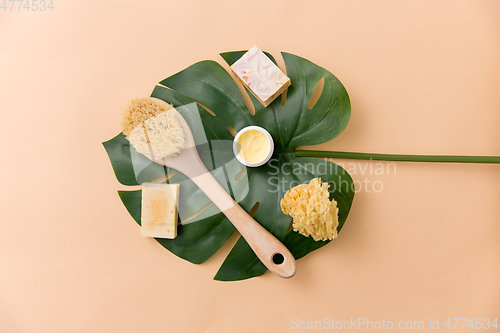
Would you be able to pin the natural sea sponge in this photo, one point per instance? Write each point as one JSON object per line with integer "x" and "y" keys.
{"x": 311, "y": 209}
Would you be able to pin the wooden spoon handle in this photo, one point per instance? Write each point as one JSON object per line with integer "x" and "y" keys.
{"x": 268, "y": 248}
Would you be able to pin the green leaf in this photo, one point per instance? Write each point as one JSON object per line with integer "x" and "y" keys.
{"x": 291, "y": 125}
{"x": 240, "y": 264}
{"x": 209, "y": 84}
{"x": 341, "y": 189}
{"x": 130, "y": 167}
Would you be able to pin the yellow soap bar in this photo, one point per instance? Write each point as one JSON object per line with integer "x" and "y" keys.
{"x": 159, "y": 210}
{"x": 260, "y": 75}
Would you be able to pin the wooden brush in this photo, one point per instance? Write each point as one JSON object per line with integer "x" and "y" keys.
{"x": 159, "y": 132}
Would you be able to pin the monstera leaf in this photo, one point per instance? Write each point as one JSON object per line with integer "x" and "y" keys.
{"x": 207, "y": 85}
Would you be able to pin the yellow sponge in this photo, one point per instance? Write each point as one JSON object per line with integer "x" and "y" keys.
{"x": 311, "y": 209}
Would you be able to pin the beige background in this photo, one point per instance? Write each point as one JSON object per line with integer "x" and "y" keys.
{"x": 423, "y": 77}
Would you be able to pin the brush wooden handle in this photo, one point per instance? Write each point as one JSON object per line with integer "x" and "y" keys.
{"x": 267, "y": 247}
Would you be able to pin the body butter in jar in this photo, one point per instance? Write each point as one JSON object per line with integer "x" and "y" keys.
{"x": 253, "y": 146}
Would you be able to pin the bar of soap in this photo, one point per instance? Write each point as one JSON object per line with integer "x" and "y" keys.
{"x": 260, "y": 75}
{"x": 159, "y": 210}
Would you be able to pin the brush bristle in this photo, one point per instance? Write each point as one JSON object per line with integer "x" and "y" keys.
{"x": 152, "y": 128}
{"x": 138, "y": 111}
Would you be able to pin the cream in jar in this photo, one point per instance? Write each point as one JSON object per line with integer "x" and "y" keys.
{"x": 253, "y": 146}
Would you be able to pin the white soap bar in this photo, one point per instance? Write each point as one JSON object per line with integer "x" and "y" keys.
{"x": 159, "y": 210}
{"x": 260, "y": 75}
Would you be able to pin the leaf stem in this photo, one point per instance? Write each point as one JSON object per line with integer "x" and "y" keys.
{"x": 400, "y": 158}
